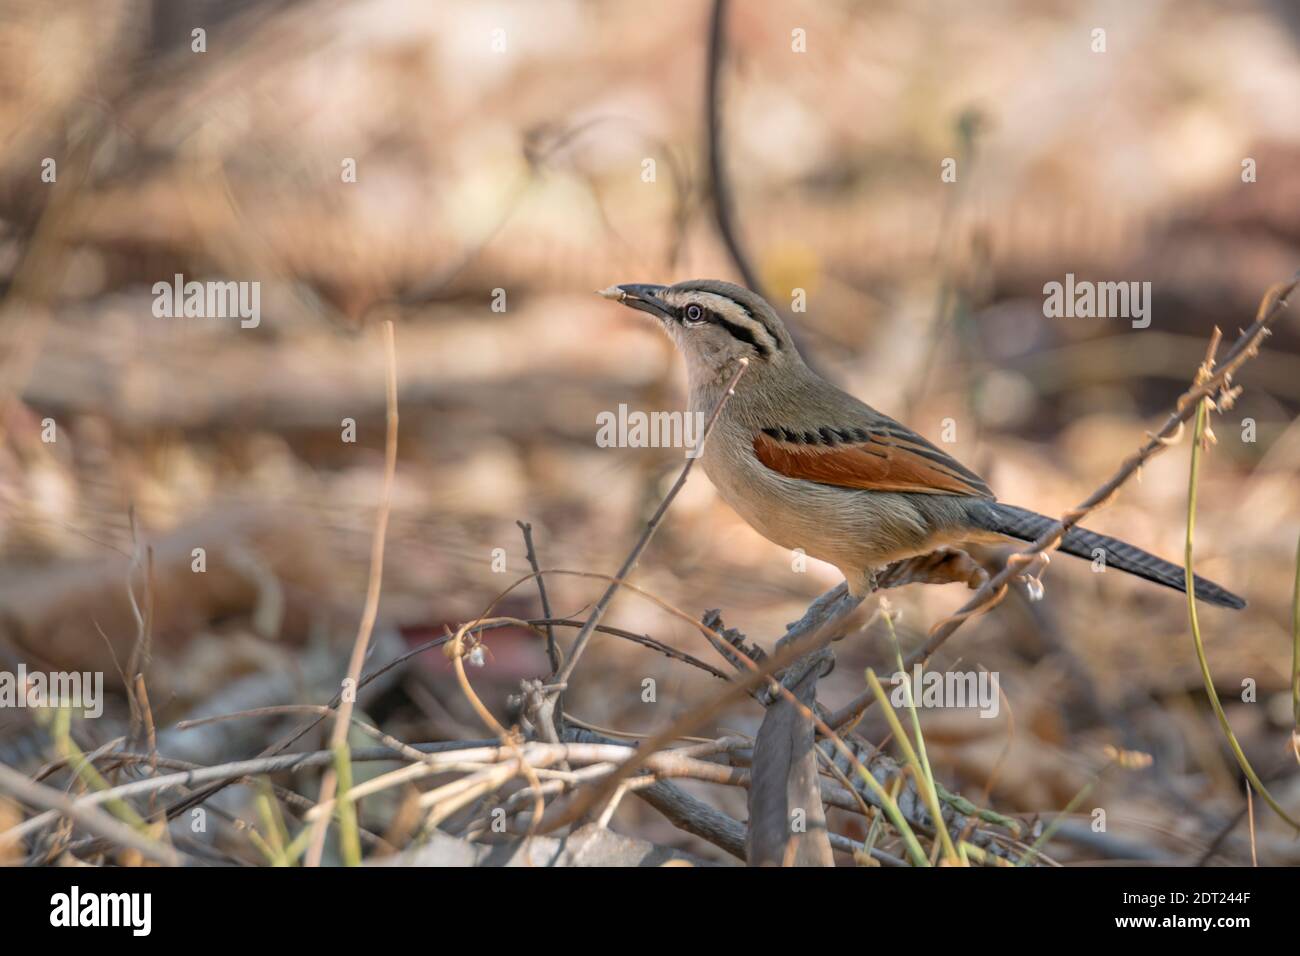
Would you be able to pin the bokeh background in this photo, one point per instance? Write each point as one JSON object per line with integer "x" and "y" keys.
{"x": 504, "y": 146}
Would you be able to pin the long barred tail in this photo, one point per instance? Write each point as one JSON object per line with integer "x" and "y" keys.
{"x": 1080, "y": 542}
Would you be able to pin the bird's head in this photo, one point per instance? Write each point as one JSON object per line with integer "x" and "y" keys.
{"x": 713, "y": 323}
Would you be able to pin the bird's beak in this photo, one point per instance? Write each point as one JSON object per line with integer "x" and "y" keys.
{"x": 645, "y": 298}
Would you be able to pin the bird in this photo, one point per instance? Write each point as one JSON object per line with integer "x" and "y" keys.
{"x": 810, "y": 467}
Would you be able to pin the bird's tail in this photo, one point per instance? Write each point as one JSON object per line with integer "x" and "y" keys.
{"x": 1080, "y": 542}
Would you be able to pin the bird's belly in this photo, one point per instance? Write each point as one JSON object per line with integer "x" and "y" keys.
{"x": 854, "y": 530}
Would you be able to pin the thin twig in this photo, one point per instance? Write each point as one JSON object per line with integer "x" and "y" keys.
{"x": 339, "y": 737}
{"x": 584, "y": 635}
{"x": 84, "y": 813}
{"x": 234, "y": 772}
{"x": 285, "y": 743}
{"x": 811, "y": 638}
{"x": 552, "y": 651}
{"x": 681, "y": 762}
{"x": 508, "y": 740}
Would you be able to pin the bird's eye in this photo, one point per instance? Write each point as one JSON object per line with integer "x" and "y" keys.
{"x": 694, "y": 313}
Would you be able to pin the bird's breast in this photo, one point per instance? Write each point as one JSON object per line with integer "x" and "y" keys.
{"x": 851, "y": 529}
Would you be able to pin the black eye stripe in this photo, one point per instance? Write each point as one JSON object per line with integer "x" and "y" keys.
{"x": 742, "y": 333}
{"x": 738, "y": 332}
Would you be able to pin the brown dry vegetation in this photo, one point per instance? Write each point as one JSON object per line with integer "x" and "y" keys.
{"x": 522, "y": 171}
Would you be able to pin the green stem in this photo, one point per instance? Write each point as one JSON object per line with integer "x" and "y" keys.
{"x": 891, "y": 808}
{"x": 887, "y": 802}
{"x": 1189, "y": 580}
{"x": 919, "y": 760}
{"x": 1050, "y": 830}
{"x": 349, "y": 834}
{"x": 85, "y": 771}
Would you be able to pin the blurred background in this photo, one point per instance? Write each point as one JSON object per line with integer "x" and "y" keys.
{"x": 472, "y": 171}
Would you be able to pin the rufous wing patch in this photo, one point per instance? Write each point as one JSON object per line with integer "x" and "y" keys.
{"x": 886, "y": 459}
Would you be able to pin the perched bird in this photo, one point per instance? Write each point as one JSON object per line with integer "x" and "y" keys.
{"x": 809, "y": 466}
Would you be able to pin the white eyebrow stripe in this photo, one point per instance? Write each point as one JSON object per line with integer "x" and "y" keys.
{"x": 737, "y": 314}
{"x": 741, "y": 316}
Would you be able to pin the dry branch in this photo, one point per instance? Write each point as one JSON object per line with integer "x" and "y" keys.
{"x": 787, "y": 824}
{"x": 87, "y": 815}
{"x": 339, "y": 736}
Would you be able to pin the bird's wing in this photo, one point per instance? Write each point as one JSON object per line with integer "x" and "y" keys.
{"x": 884, "y": 457}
